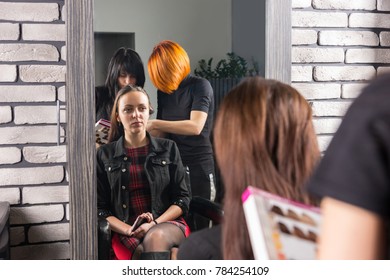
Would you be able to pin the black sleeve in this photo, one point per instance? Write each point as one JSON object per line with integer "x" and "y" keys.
{"x": 159, "y": 106}
{"x": 203, "y": 96}
{"x": 204, "y": 244}
{"x": 355, "y": 168}
{"x": 180, "y": 193}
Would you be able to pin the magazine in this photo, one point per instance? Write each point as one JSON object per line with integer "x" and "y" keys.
{"x": 102, "y": 128}
{"x": 280, "y": 228}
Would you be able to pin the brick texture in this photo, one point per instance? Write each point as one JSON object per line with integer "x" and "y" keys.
{"x": 48, "y": 251}
{"x": 46, "y": 154}
{"x": 8, "y": 73}
{"x": 29, "y": 134}
{"x": 36, "y": 214}
{"x": 37, "y": 12}
{"x": 46, "y": 194}
{"x": 368, "y": 5}
{"x": 31, "y": 175}
{"x": 5, "y": 114}
{"x": 337, "y": 48}
{"x": 28, "y": 52}
{"x": 27, "y": 93}
{"x": 44, "y": 32}
{"x": 10, "y": 155}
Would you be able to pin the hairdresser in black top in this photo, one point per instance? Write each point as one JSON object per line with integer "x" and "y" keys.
{"x": 184, "y": 114}
{"x": 125, "y": 68}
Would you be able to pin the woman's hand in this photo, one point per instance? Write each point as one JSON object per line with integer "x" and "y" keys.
{"x": 148, "y": 216}
{"x": 141, "y": 231}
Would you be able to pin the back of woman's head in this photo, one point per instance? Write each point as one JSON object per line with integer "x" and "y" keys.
{"x": 128, "y": 61}
{"x": 263, "y": 137}
{"x": 168, "y": 65}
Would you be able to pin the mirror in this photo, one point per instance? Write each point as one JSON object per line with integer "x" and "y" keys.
{"x": 81, "y": 104}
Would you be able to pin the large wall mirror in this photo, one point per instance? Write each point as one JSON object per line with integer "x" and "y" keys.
{"x": 267, "y": 39}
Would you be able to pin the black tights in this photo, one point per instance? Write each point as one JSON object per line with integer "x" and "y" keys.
{"x": 161, "y": 237}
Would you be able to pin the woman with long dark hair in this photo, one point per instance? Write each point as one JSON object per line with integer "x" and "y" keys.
{"x": 124, "y": 68}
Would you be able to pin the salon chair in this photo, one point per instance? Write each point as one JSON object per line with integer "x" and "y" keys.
{"x": 198, "y": 206}
{"x": 4, "y": 231}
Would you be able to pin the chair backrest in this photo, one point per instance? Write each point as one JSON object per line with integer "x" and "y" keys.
{"x": 205, "y": 208}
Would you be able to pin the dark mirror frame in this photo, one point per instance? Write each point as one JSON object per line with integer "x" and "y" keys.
{"x": 80, "y": 99}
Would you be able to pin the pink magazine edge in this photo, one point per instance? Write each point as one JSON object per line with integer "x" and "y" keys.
{"x": 250, "y": 190}
{"x": 104, "y": 122}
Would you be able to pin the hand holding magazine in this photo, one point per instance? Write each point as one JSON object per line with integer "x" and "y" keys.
{"x": 102, "y": 128}
{"x": 280, "y": 228}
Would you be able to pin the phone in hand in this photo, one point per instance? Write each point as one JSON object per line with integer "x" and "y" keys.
{"x": 139, "y": 221}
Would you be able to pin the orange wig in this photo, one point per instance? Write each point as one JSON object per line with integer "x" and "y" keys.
{"x": 168, "y": 65}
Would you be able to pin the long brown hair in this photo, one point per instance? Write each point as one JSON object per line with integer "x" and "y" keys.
{"x": 116, "y": 129}
{"x": 263, "y": 137}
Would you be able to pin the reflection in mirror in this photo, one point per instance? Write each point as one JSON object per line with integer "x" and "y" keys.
{"x": 206, "y": 29}
{"x": 80, "y": 78}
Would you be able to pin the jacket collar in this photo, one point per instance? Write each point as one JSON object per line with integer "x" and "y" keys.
{"x": 155, "y": 147}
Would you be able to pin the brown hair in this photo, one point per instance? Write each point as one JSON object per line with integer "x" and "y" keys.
{"x": 263, "y": 137}
{"x": 116, "y": 130}
{"x": 168, "y": 65}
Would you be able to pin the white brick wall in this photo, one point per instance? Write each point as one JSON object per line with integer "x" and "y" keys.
{"x": 29, "y": 134}
{"x": 37, "y": 114}
{"x": 37, "y": 12}
{"x": 32, "y": 166}
{"x": 51, "y": 232}
{"x": 319, "y": 19}
{"x": 44, "y": 32}
{"x": 9, "y": 31}
{"x": 8, "y": 73}
{"x": 31, "y": 175}
{"x": 12, "y": 195}
{"x": 10, "y": 155}
{"x": 343, "y": 73}
{"x": 383, "y": 5}
{"x": 28, "y": 52}
{"x": 337, "y": 47}
{"x": 33, "y": 195}
{"x": 5, "y": 114}
{"x": 49, "y": 251}
{"x": 36, "y": 214}
{"x": 45, "y": 154}
{"x": 27, "y": 93}
{"x": 344, "y": 5}
{"x": 42, "y": 73}
{"x": 366, "y": 20}
{"x": 348, "y": 38}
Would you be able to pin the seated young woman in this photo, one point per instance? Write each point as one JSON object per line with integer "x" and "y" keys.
{"x": 141, "y": 176}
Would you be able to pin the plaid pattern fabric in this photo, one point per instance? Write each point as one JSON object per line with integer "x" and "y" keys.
{"x": 140, "y": 196}
{"x": 139, "y": 191}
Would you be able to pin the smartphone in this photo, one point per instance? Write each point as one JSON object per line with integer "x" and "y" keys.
{"x": 139, "y": 221}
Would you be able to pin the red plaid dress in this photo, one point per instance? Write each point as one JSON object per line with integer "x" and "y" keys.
{"x": 140, "y": 202}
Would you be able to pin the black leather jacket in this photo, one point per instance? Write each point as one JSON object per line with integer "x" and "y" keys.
{"x": 164, "y": 170}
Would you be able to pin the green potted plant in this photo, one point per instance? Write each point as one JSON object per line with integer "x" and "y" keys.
{"x": 226, "y": 74}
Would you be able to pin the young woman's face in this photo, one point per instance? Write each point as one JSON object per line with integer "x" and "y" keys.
{"x": 125, "y": 79}
{"x": 133, "y": 112}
